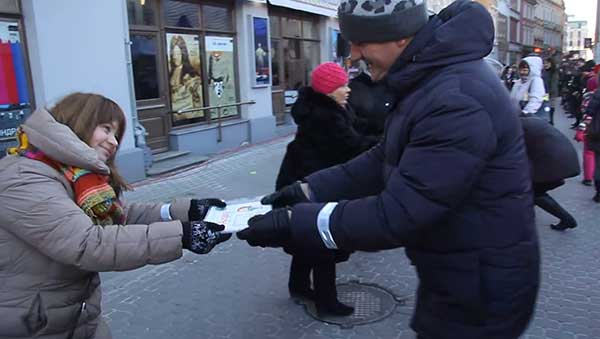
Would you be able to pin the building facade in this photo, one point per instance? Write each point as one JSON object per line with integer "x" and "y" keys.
{"x": 529, "y": 26}
{"x": 198, "y": 76}
{"x": 577, "y": 32}
{"x": 515, "y": 37}
{"x": 554, "y": 22}
{"x": 502, "y": 25}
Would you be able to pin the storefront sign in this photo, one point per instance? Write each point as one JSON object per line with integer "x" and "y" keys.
{"x": 8, "y": 132}
{"x": 221, "y": 74}
{"x": 185, "y": 83}
{"x": 321, "y": 7}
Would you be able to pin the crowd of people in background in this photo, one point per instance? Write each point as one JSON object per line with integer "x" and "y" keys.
{"x": 578, "y": 84}
{"x": 575, "y": 82}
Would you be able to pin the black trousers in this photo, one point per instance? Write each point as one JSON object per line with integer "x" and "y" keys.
{"x": 597, "y": 170}
{"x": 543, "y": 200}
{"x": 323, "y": 272}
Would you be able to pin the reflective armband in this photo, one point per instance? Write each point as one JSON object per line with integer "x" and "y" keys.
{"x": 165, "y": 212}
{"x": 323, "y": 225}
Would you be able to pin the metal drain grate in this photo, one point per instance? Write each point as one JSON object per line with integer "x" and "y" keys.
{"x": 371, "y": 303}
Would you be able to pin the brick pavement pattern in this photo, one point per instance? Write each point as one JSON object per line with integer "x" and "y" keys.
{"x": 241, "y": 292}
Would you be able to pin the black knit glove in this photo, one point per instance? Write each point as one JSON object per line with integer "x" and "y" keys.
{"x": 287, "y": 196}
{"x": 268, "y": 230}
{"x": 199, "y": 207}
{"x": 201, "y": 237}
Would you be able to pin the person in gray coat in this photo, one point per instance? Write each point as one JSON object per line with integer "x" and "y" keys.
{"x": 63, "y": 221}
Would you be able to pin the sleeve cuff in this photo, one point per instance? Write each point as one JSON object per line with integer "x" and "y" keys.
{"x": 179, "y": 209}
{"x": 304, "y": 225}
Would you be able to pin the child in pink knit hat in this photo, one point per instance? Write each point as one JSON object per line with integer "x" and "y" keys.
{"x": 325, "y": 137}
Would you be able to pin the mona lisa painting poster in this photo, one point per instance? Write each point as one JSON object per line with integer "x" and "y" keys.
{"x": 185, "y": 80}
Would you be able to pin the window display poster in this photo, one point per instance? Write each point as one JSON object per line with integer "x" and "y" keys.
{"x": 221, "y": 75}
{"x": 185, "y": 80}
{"x": 261, "y": 50}
{"x": 334, "y": 44}
{"x": 14, "y": 91}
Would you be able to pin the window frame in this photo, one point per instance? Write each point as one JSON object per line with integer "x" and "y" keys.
{"x": 17, "y": 11}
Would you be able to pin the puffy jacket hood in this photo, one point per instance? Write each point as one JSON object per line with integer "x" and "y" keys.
{"x": 536, "y": 64}
{"x": 462, "y": 32}
{"x": 60, "y": 143}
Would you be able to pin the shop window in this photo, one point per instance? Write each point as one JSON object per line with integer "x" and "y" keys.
{"x": 144, "y": 53}
{"x": 182, "y": 14}
{"x": 185, "y": 50}
{"x": 274, "y": 26}
{"x": 310, "y": 30}
{"x": 291, "y": 27}
{"x": 141, "y": 13}
{"x": 294, "y": 66}
{"x": 15, "y": 95}
{"x": 295, "y": 49}
{"x": 217, "y": 18}
{"x": 311, "y": 56}
{"x": 275, "y": 62}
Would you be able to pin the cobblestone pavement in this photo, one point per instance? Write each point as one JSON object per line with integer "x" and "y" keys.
{"x": 241, "y": 292}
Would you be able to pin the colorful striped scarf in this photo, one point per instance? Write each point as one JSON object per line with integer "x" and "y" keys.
{"x": 93, "y": 194}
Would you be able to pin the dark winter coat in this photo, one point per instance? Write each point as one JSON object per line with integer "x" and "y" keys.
{"x": 450, "y": 182}
{"x": 593, "y": 131}
{"x": 552, "y": 156}
{"x": 325, "y": 137}
{"x": 371, "y": 102}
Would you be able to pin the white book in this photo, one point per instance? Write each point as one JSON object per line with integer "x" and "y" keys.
{"x": 236, "y": 215}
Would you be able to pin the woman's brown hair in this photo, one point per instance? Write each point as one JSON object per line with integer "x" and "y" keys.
{"x": 82, "y": 112}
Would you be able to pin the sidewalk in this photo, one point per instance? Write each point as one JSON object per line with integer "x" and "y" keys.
{"x": 241, "y": 292}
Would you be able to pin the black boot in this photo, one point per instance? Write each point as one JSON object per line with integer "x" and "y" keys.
{"x": 548, "y": 204}
{"x": 596, "y": 197}
{"x": 299, "y": 283}
{"x": 326, "y": 291}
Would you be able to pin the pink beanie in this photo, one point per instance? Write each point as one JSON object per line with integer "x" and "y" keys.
{"x": 327, "y": 77}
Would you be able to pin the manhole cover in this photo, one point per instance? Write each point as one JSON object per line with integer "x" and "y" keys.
{"x": 371, "y": 303}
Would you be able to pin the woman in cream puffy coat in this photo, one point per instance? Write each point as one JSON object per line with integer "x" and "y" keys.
{"x": 51, "y": 250}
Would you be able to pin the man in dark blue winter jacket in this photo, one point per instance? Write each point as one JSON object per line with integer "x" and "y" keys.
{"x": 449, "y": 181}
